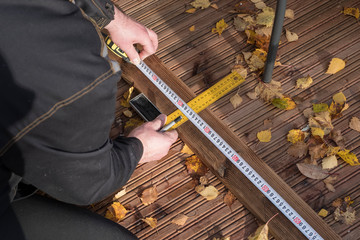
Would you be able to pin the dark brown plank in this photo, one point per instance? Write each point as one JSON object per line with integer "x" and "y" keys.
{"x": 252, "y": 198}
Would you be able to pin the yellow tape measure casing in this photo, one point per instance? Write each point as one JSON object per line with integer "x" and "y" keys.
{"x": 208, "y": 97}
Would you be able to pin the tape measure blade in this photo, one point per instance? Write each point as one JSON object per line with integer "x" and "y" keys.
{"x": 208, "y": 97}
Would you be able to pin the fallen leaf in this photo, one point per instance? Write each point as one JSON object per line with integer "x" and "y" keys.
{"x": 229, "y": 199}
{"x": 289, "y": 13}
{"x": 204, "y": 180}
{"x": 337, "y": 137}
{"x": 298, "y": 149}
{"x": 191, "y": 10}
{"x": 308, "y": 112}
{"x": 126, "y": 97}
{"x": 187, "y": 150}
{"x": 269, "y": 91}
{"x": 262, "y": 231}
{"x": 120, "y": 193}
{"x": 339, "y": 98}
{"x": 240, "y": 70}
{"x": 320, "y": 107}
{"x": 329, "y": 183}
{"x": 133, "y": 123}
{"x": 337, "y": 202}
{"x": 149, "y": 195}
{"x": 304, "y": 83}
{"x": 220, "y": 27}
{"x": 329, "y": 162}
{"x": 321, "y": 120}
{"x": 259, "y": 4}
{"x": 192, "y": 28}
{"x": 335, "y": 65}
{"x": 127, "y": 113}
{"x": 213, "y": 5}
{"x": 348, "y": 217}
{"x": 116, "y": 212}
{"x": 180, "y": 219}
{"x": 266, "y": 17}
{"x": 352, "y": 12}
{"x": 236, "y": 100}
{"x": 348, "y": 157}
{"x": 317, "y": 151}
{"x": 209, "y": 192}
{"x": 323, "y": 213}
{"x": 252, "y": 95}
{"x": 317, "y": 132}
{"x": 355, "y": 124}
{"x": 152, "y": 222}
{"x": 291, "y": 36}
{"x": 264, "y": 31}
{"x": 195, "y": 166}
{"x": 264, "y": 136}
{"x": 240, "y": 24}
{"x": 312, "y": 171}
{"x": 284, "y": 103}
{"x": 295, "y": 135}
{"x": 201, "y": 4}
{"x": 332, "y": 150}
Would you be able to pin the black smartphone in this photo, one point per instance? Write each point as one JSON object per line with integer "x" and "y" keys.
{"x": 144, "y": 107}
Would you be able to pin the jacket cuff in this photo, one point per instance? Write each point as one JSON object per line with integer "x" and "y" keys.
{"x": 101, "y": 11}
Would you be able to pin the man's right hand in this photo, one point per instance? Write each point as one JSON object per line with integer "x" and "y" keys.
{"x": 155, "y": 144}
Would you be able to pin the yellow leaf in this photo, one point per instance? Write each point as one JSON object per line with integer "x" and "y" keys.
{"x": 348, "y": 157}
{"x": 321, "y": 107}
{"x": 192, "y": 28}
{"x": 133, "y": 122}
{"x": 323, "y": 213}
{"x": 291, "y": 36}
{"x": 295, "y": 135}
{"x": 201, "y": 4}
{"x": 304, "y": 83}
{"x": 191, "y": 10}
{"x": 355, "y": 124}
{"x": 180, "y": 219}
{"x": 120, "y": 193}
{"x": 352, "y": 12}
{"x": 149, "y": 195}
{"x": 116, "y": 212}
{"x": 284, "y": 103}
{"x": 259, "y": 4}
{"x": 266, "y": 17}
{"x": 317, "y": 132}
{"x": 152, "y": 222}
{"x": 264, "y": 136}
{"x": 195, "y": 166}
{"x": 209, "y": 192}
{"x": 220, "y": 27}
{"x": 329, "y": 162}
{"x": 332, "y": 150}
{"x": 186, "y": 150}
{"x": 262, "y": 231}
{"x": 236, "y": 100}
{"x": 339, "y": 98}
{"x": 127, "y": 113}
{"x": 335, "y": 65}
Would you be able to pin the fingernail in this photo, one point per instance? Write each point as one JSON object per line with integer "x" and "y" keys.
{"x": 136, "y": 61}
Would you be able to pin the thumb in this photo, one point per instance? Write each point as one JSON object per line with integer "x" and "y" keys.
{"x": 132, "y": 54}
{"x": 158, "y": 122}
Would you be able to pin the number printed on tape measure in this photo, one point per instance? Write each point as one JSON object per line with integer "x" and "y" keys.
{"x": 233, "y": 156}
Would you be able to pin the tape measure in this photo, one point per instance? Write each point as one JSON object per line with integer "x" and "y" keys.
{"x": 231, "y": 154}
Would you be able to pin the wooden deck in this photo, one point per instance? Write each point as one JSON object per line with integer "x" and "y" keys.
{"x": 200, "y": 59}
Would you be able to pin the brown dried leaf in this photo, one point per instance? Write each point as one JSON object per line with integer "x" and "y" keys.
{"x": 329, "y": 162}
{"x": 312, "y": 171}
{"x": 355, "y": 124}
{"x": 127, "y": 113}
{"x": 229, "y": 199}
{"x": 201, "y": 4}
{"x": 269, "y": 91}
{"x": 149, "y": 195}
{"x": 180, "y": 219}
{"x": 116, "y": 212}
{"x": 329, "y": 183}
{"x": 236, "y": 100}
{"x": 191, "y": 10}
{"x": 317, "y": 151}
{"x": 209, "y": 192}
{"x": 348, "y": 217}
{"x": 291, "y": 36}
{"x": 337, "y": 137}
{"x": 298, "y": 149}
{"x": 289, "y": 13}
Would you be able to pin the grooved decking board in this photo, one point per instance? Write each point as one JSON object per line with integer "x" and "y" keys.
{"x": 200, "y": 59}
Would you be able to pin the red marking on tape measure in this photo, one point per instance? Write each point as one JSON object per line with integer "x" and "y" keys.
{"x": 207, "y": 130}
{"x": 180, "y": 103}
{"x": 154, "y": 77}
{"x": 297, "y": 220}
{"x": 265, "y": 188}
{"x": 235, "y": 158}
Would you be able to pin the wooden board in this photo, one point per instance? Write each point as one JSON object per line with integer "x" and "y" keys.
{"x": 252, "y": 198}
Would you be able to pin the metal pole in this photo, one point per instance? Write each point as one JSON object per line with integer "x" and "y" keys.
{"x": 274, "y": 41}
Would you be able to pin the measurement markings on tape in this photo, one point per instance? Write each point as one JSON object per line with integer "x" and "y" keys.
{"x": 201, "y": 102}
{"x": 232, "y": 155}
{"x": 208, "y": 97}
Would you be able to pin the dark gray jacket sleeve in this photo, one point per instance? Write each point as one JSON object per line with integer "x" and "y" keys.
{"x": 101, "y": 11}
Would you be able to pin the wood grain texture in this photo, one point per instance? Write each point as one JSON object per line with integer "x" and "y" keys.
{"x": 241, "y": 187}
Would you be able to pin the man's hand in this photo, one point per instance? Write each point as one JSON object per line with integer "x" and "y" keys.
{"x": 156, "y": 144}
{"x": 125, "y": 32}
